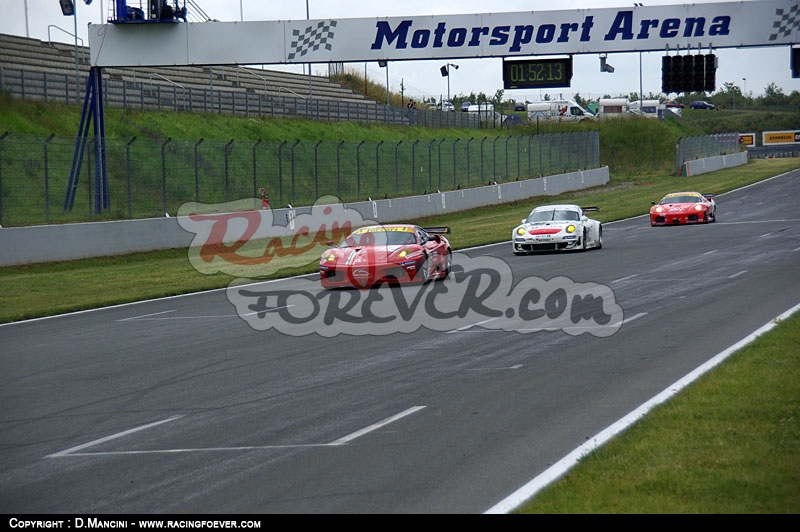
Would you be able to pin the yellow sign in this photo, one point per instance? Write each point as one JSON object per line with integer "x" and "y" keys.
{"x": 780, "y": 137}
{"x": 747, "y": 139}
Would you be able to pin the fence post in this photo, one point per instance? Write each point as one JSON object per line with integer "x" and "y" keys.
{"x": 430, "y": 162}
{"x": 47, "y": 178}
{"x": 280, "y": 171}
{"x": 378, "y": 169}
{"x": 293, "y": 147}
{"x": 197, "y": 172}
{"x": 396, "y": 168}
{"x": 339, "y": 170}
{"x": 128, "y": 175}
{"x": 482, "y": 141}
{"x": 316, "y": 171}
{"x": 255, "y": 171}
{"x": 468, "y": 163}
{"x": 413, "y": 165}
{"x": 164, "y": 174}
{"x": 2, "y": 138}
{"x": 454, "y": 161}
{"x": 508, "y": 174}
{"x": 227, "y": 177}
{"x": 358, "y": 170}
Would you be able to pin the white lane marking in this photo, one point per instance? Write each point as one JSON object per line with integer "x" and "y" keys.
{"x": 710, "y": 252}
{"x": 589, "y": 327}
{"x": 558, "y": 469}
{"x": 747, "y": 222}
{"x": 515, "y": 366}
{"x": 74, "y": 451}
{"x": 375, "y": 426}
{"x": 149, "y": 317}
{"x": 737, "y": 274}
{"x": 197, "y": 450}
{"x": 634, "y": 317}
{"x": 146, "y": 315}
{"x": 465, "y": 327}
{"x": 109, "y": 438}
{"x": 624, "y": 278}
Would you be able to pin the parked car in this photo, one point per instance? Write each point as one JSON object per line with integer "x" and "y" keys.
{"x": 701, "y": 104}
{"x": 447, "y": 106}
{"x": 674, "y": 104}
{"x": 465, "y": 106}
{"x": 519, "y": 106}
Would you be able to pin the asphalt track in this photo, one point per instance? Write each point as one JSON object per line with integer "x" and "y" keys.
{"x": 180, "y": 405}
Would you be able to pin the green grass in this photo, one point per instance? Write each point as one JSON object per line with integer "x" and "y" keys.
{"x": 725, "y": 445}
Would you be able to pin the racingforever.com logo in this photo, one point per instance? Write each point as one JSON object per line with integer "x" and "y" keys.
{"x": 479, "y": 292}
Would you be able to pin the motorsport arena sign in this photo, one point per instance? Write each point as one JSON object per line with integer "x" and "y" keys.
{"x": 688, "y": 27}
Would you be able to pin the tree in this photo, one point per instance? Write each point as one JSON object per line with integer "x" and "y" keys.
{"x": 580, "y": 101}
{"x": 497, "y": 99}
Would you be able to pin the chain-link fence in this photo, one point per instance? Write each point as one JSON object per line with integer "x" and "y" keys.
{"x": 41, "y": 183}
{"x": 691, "y": 148}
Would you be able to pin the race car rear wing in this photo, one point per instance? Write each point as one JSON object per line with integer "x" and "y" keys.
{"x": 595, "y": 209}
{"x": 437, "y": 230}
{"x": 708, "y": 196}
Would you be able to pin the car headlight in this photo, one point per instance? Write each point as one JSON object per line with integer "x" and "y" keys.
{"x": 659, "y": 209}
{"x": 570, "y": 229}
{"x": 402, "y": 254}
{"x": 330, "y": 257}
{"x": 520, "y": 231}
{"x": 699, "y": 207}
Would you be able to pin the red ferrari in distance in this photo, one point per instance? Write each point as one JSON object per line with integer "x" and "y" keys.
{"x": 394, "y": 253}
{"x": 684, "y": 208}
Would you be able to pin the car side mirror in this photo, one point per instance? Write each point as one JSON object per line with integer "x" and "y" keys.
{"x": 522, "y": 221}
{"x": 330, "y": 243}
{"x": 652, "y": 203}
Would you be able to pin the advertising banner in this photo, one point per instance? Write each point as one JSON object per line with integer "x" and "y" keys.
{"x": 771, "y": 138}
{"x": 693, "y": 27}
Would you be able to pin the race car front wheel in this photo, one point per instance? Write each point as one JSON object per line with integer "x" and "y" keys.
{"x": 424, "y": 271}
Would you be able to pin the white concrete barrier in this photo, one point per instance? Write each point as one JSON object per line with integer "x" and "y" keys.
{"x": 48, "y": 243}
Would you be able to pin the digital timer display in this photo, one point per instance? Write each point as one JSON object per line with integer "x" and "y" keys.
{"x": 537, "y": 73}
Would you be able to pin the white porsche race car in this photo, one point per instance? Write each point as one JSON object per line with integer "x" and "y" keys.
{"x": 557, "y": 228}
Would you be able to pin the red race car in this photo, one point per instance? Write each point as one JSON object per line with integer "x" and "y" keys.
{"x": 684, "y": 208}
{"x": 394, "y": 253}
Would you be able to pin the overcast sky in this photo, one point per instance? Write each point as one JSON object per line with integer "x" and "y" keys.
{"x": 749, "y": 69}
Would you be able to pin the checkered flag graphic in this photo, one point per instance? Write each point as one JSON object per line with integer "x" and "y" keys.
{"x": 312, "y": 39}
{"x": 787, "y": 21}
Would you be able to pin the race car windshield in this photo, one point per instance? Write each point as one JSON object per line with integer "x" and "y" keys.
{"x": 554, "y": 214}
{"x": 680, "y": 199}
{"x": 379, "y": 238}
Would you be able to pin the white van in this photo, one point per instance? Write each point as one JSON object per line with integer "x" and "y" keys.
{"x": 557, "y": 110}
